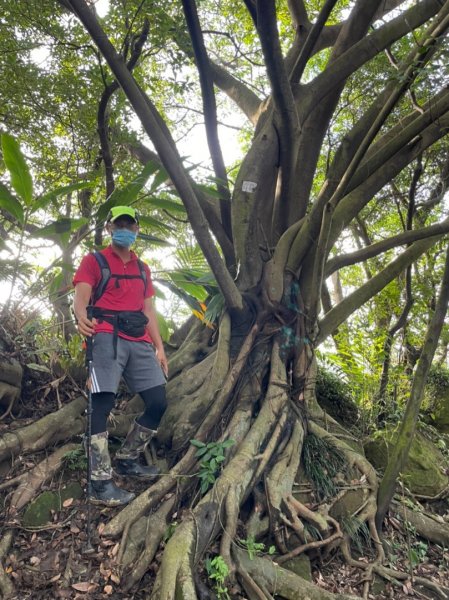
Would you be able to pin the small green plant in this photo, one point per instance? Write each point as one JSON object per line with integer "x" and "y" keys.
{"x": 75, "y": 460}
{"x": 417, "y": 553}
{"x": 170, "y": 531}
{"x": 212, "y": 456}
{"x": 254, "y": 548}
{"x": 322, "y": 463}
{"x": 217, "y": 571}
{"x": 74, "y": 353}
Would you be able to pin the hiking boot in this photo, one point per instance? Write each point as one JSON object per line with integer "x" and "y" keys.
{"x": 129, "y": 467}
{"x": 100, "y": 460}
{"x": 105, "y": 492}
{"x": 127, "y": 458}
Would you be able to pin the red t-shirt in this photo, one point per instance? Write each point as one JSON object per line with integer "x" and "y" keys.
{"x": 128, "y": 295}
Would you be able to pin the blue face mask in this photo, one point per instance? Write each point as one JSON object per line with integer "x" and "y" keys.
{"x": 124, "y": 237}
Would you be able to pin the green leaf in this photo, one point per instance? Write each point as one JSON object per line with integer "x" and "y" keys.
{"x": 197, "y": 443}
{"x": 183, "y": 279}
{"x": 163, "y": 327}
{"x": 11, "y": 204}
{"x": 128, "y": 194}
{"x": 155, "y": 223}
{"x": 153, "y": 239}
{"x": 18, "y": 169}
{"x": 64, "y": 225}
{"x": 214, "y": 307}
{"x": 170, "y": 205}
{"x": 160, "y": 178}
{"x": 37, "y": 367}
{"x": 209, "y": 190}
{"x": 201, "y": 451}
{"x": 48, "y": 198}
{"x": 228, "y": 443}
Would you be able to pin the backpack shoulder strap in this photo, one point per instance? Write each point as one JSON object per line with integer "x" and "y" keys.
{"x": 143, "y": 273}
{"x": 105, "y": 276}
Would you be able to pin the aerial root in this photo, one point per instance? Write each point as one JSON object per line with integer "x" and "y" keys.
{"x": 6, "y": 586}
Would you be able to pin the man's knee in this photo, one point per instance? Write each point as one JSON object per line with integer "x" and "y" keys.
{"x": 155, "y": 405}
{"x": 102, "y": 404}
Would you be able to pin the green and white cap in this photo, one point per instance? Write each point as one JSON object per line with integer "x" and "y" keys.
{"x": 122, "y": 211}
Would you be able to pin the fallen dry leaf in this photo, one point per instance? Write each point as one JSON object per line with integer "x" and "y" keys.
{"x": 108, "y": 589}
{"x": 83, "y": 586}
{"x": 67, "y": 502}
{"x": 115, "y": 578}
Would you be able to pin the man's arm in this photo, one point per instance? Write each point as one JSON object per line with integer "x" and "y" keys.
{"x": 83, "y": 292}
{"x": 153, "y": 330}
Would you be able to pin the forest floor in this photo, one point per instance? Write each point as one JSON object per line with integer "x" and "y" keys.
{"x": 49, "y": 562}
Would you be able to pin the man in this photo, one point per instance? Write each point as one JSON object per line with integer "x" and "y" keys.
{"x": 126, "y": 342}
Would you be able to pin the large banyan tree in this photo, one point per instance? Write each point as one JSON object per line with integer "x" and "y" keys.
{"x": 357, "y": 94}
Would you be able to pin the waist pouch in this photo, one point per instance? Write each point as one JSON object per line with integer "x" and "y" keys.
{"x": 132, "y": 323}
{"x": 129, "y": 322}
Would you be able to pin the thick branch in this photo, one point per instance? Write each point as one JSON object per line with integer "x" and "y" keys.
{"x": 353, "y": 203}
{"x": 286, "y": 116}
{"x": 210, "y": 111}
{"x": 151, "y": 121}
{"x": 351, "y": 303}
{"x": 298, "y": 13}
{"x": 314, "y": 34}
{"x": 406, "y": 237}
{"x": 367, "y": 48}
{"x": 248, "y": 102}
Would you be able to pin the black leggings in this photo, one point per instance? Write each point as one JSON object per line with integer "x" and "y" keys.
{"x": 155, "y": 405}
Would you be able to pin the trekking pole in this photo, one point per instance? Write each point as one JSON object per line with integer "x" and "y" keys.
{"x": 89, "y": 357}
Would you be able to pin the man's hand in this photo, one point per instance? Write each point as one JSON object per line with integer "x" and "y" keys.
{"x": 162, "y": 359}
{"x": 86, "y": 327}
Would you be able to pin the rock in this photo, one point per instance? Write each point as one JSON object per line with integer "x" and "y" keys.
{"x": 334, "y": 397}
{"x": 299, "y": 565}
{"x": 440, "y": 413}
{"x": 422, "y": 473}
{"x": 39, "y": 512}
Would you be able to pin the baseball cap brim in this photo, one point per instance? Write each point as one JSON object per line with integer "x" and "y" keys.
{"x": 122, "y": 211}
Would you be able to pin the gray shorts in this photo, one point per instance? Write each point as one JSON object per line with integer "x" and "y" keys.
{"x": 136, "y": 362}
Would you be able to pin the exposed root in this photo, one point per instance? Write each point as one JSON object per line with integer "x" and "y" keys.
{"x": 253, "y": 591}
{"x": 281, "y": 582}
{"x": 6, "y": 586}
{"x": 60, "y": 425}
{"x": 150, "y": 498}
{"x": 397, "y": 576}
{"x": 426, "y": 526}
{"x": 195, "y": 533}
{"x": 32, "y": 481}
{"x": 317, "y": 544}
{"x": 230, "y": 528}
{"x": 9, "y": 408}
{"x": 193, "y": 347}
{"x": 152, "y": 533}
